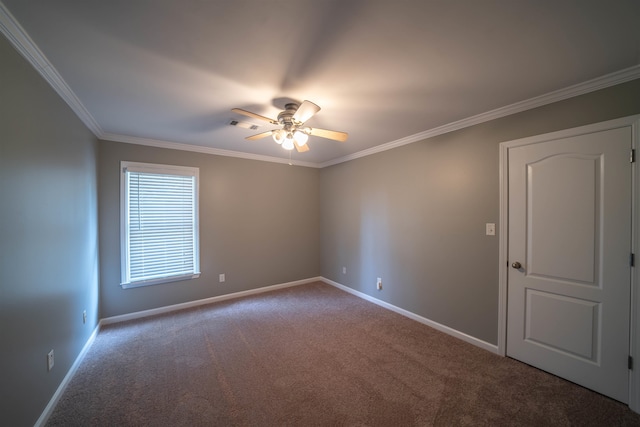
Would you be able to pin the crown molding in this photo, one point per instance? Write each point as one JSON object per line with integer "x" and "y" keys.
{"x": 598, "y": 83}
{"x": 21, "y": 41}
{"x": 200, "y": 149}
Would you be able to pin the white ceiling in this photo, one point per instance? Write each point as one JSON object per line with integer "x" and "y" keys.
{"x": 158, "y": 71}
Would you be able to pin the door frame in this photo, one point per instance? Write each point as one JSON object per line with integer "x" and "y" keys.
{"x": 634, "y": 338}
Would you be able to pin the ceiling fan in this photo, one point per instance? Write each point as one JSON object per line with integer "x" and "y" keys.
{"x": 293, "y": 132}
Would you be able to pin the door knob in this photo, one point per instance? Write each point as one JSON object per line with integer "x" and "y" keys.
{"x": 516, "y": 265}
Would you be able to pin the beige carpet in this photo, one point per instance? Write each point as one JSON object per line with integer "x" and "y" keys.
{"x": 312, "y": 355}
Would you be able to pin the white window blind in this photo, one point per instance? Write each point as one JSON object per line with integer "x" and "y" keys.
{"x": 159, "y": 224}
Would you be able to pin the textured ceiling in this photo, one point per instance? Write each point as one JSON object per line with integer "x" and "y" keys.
{"x": 381, "y": 70}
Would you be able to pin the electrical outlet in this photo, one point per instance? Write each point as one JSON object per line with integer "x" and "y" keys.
{"x": 344, "y": 270}
{"x": 84, "y": 316}
{"x": 221, "y": 277}
{"x": 379, "y": 284}
{"x": 50, "y": 360}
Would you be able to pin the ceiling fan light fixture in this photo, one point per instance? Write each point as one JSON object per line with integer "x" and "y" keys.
{"x": 287, "y": 144}
{"x": 300, "y": 138}
{"x": 279, "y": 136}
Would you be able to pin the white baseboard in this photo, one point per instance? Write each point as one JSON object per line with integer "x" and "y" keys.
{"x": 435, "y": 325}
{"x": 167, "y": 309}
{"x": 174, "y": 307}
{"x": 67, "y": 378}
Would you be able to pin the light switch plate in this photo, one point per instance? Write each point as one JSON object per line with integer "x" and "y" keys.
{"x": 491, "y": 229}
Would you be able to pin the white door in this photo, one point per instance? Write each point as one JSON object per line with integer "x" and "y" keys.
{"x": 569, "y": 279}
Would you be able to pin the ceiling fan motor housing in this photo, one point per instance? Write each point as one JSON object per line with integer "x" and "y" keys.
{"x": 286, "y": 117}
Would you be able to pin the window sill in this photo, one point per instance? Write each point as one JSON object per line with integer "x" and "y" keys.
{"x": 159, "y": 280}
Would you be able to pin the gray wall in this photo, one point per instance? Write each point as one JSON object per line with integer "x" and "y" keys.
{"x": 48, "y": 238}
{"x": 415, "y": 216}
{"x": 259, "y": 225}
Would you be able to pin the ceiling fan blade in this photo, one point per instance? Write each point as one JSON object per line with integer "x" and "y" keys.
{"x": 330, "y": 134}
{"x": 260, "y": 135}
{"x": 305, "y": 111}
{"x": 302, "y": 149}
{"x": 254, "y": 115}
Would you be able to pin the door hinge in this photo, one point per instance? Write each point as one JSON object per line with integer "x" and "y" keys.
{"x": 632, "y": 159}
{"x": 630, "y": 363}
{"x": 632, "y": 260}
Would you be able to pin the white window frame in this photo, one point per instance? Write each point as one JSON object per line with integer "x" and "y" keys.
{"x": 125, "y": 166}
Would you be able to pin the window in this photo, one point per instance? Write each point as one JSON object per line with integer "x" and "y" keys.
{"x": 158, "y": 224}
